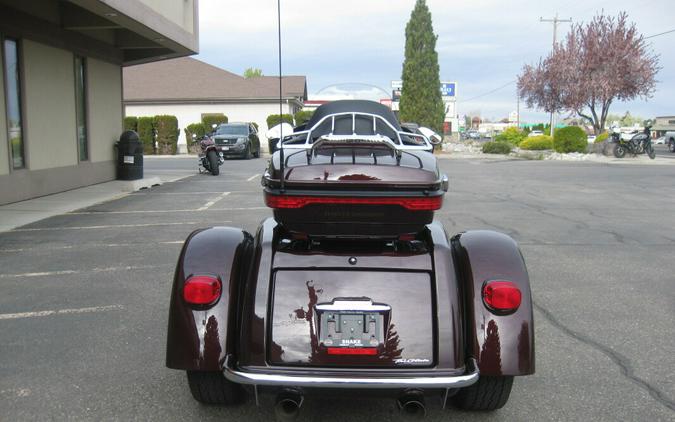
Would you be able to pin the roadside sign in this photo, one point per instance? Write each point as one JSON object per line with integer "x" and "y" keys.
{"x": 448, "y": 89}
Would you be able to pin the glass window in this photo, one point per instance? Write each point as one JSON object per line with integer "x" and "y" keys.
{"x": 81, "y": 106}
{"x": 232, "y": 129}
{"x": 13, "y": 101}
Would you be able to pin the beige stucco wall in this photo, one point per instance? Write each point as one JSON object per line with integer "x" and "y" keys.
{"x": 50, "y": 106}
{"x": 105, "y": 108}
{"x": 4, "y": 144}
{"x": 180, "y": 12}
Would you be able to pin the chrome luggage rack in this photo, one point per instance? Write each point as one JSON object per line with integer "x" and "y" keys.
{"x": 375, "y": 137}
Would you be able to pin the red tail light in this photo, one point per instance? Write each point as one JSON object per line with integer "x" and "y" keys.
{"x": 352, "y": 351}
{"x": 202, "y": 290}
{"x": 430, "y": 203}
{"x": 501, "y": 296}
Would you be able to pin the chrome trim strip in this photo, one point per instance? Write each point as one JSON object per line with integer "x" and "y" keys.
{"x": 251, "y": 378}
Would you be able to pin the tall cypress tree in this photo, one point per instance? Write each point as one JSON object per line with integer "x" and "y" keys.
{"x": 421, "y": 100}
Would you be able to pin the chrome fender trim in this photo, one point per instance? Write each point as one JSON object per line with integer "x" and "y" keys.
{"x": 430, "y": 382}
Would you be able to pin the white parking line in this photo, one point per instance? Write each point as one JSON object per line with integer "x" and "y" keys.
{"x": 91, "y": 245}
{"x": 93, "y": 270}
{"x": 131, "y": 212}
{"x": 212, "y": 202}
{"x": 239, "y": 209}
{"x": 253, "y": 177}
{"x": 113, "y": 226}
{"x": 62, "y": 312}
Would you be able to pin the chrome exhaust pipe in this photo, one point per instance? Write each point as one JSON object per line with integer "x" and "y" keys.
{"x": 411, "y": 405}
{"x": 287, "y": 406}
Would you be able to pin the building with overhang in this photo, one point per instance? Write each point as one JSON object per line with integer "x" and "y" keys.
{"x": 662, "y": 125}
{"x": 61, "y": 83}
{"x": 189, "y": 88}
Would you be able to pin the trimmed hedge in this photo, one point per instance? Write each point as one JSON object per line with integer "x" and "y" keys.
{"x": 198, "y": 129}
{"x": 145, "y": 126}
{"x": 496, "y": 147}
{"x": 131, "y": 123}
{"x": 167, "y": 134}
{"x": 511, "y": 135}
{"x": 303, "y": 116}
{"x": 570, "y": 139}
{"x": 537, "y": 143}
{"x": 210, "y": 119}
{"x": 275, "y": 119}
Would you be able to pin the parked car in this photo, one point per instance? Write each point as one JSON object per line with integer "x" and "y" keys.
{"x": 670, "y": 138}
{"x": 591, "y": 138}
{"x": 352, "y": 284}
{"x": 659, "y": 141}
{"x": 535, "y": 133}
{"x": 237, "y": 140}
{"x": 473, "y": 135}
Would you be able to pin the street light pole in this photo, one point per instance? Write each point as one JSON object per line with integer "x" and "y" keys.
{"x": 555, "y": 22}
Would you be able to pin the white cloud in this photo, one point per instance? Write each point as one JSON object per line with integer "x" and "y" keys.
{"x": 481, "y": 44}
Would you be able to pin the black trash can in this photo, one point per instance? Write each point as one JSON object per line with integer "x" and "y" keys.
{"x": 129, "y": 156}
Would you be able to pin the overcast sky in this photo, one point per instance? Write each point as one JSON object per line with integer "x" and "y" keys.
{"x": 482, "y": 45}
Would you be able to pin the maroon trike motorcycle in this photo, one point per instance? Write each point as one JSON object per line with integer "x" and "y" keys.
{"x": 352, "y": 285}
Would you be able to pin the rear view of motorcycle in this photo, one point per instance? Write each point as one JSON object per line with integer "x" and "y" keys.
{"x": 640, "y": 143}
{"x": 210, "y": 158}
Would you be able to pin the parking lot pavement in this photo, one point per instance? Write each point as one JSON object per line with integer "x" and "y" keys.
{"x": 85, "y": 294}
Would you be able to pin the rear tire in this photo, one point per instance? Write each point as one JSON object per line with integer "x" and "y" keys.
{"x": 213, "y": 388}
{"x": 671, "y": 145}
{"x": 650, "y": 151}
{"x": 619, "y": 151}
{"x": 214, "y": 163}
{"x": 489, "y": 393}
{"x": 247, "y": 153}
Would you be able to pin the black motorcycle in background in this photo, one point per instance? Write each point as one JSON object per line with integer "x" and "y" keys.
{"x": 210, "y": 158}
{"x": 640, "y": 143}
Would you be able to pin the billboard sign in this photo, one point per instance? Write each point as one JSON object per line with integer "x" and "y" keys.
{"x": 448, "y": 89}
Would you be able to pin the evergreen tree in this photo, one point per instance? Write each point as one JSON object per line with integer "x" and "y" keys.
{"x": 421, "y": 100}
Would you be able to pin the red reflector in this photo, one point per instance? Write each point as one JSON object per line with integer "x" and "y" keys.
{"x": 430, "y": 203}
{"x": 201, "y": 290}
{"x": 503, "y": 296}
{"x": 352, "y": 351}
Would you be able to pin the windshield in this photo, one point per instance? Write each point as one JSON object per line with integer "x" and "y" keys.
{"x": 232, "y": 130}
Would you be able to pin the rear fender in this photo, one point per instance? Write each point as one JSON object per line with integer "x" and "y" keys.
{"x": 501, "y": 344}
{"x": 198, "y": 338}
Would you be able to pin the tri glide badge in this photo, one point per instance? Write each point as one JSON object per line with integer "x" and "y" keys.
{"x": 404, "y": 361}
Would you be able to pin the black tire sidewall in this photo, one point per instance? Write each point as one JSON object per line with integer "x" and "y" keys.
{"x": 213, "y": 162}
{"x": 619, "y": 151}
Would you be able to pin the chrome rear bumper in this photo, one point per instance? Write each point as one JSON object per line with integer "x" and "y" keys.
{"x": 286, "y": 380}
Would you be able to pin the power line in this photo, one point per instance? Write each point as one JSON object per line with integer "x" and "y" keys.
{"x": 489, "y": 92}
{"x": 662, "y": 33}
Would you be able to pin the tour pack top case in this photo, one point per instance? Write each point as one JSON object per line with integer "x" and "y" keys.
{"x": 351, "y": 171}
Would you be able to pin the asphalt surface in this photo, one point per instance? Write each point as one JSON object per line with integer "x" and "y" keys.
{"x": 85, "y": 295}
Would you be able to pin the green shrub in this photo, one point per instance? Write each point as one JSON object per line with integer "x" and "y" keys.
{"x": 145, "y": 126}
{"x": 601, "y": 138}
{"x": 303, "y": 116}
{"x": 198, "y": 129}
{"x": 537, "y": 143}
{"x": 209, "y": 119}
{"x": 511, "y": 135}
{"x": 570, "y": 139}
{"x": 275, "y": 119}
{"x": 131, "y": 123}
{"x": 496, "y": 147}
{"x": 167, "y": 134}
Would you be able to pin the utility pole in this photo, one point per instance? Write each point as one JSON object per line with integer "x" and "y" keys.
{"x": 555, "y": 21}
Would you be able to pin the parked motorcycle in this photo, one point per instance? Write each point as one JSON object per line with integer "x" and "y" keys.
{"x": 210, "y": 158}
{"x": 640, "y": 143}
